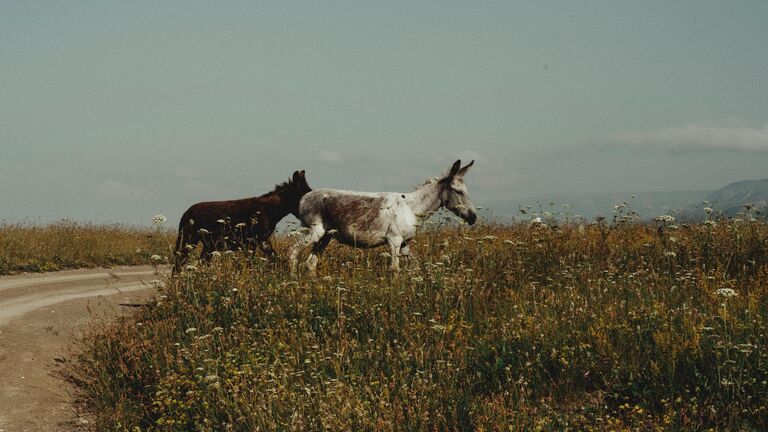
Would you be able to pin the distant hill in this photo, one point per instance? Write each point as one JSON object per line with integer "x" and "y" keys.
{"x": 728, "y": 201}
{"x": 731, "y": 199}
{"x": 589, "y": 206}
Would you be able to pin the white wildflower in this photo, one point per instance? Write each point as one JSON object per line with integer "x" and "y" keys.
{"x": 203, "y": 231}
{"x": 240, "y": 225}
{"x": 708, "y": 210}
{"x": 670, "y": 254}
{"x": 215, "y": 254}
{"x": 726, "y": 292}
{"x": 221, "y": 221}
{"x": 156, "y": 258}
{"x": 665, "y": 219}
{"x": 190, "y": 268}
{"x": 159, "y": 219}
{"x": 190, "y": 330}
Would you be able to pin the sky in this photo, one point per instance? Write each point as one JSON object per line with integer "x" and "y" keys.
{"x": 117, "y": 111}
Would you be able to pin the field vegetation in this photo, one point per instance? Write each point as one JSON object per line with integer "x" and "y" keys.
{"x": 548, "y": 326}
{"x": 29, "y": 247}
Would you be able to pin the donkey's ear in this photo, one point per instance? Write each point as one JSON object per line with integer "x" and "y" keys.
{"x": 301, "y": 174}
{"x": 465, "y": 169}
{"x": 296, "y": 176}
{"x": 455, "y": 168}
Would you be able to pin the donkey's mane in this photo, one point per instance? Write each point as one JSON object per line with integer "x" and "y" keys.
{"x": 280, "y": 188}
{"x": 428, "y": 181}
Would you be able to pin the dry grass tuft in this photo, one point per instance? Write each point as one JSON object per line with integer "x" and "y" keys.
{"x": 29, "y": 247}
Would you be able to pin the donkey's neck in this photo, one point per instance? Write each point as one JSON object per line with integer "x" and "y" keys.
{"x": 274, "y": 205}
{"x": 425, "y": 200}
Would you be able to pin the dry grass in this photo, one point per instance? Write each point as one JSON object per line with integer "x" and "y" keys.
{"x": 624, "y": 327}
{"x": 66, "y": 245}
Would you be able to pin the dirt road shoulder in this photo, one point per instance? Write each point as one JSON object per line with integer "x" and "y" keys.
{"x": 41, "y": 316}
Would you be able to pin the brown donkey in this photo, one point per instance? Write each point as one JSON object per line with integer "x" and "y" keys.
{"x": 238, "y": 224}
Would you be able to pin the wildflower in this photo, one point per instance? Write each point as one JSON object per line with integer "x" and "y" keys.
{"x": 708, "y": 210}
{"x": 726, "y": 292}
{"x": 670, "y": 254}
{"x": 327, "y": 278}
{"x": 190, "y": 330}
{"x": 240, "y": 225}
{"x": 229, "y": 252}
{"x": 215, "y": 254}
{"x": 221, "y": 221}
{"x": 203, "y": 231}
{"x": 159, "y": 219}
{"x": 190, "y": 268}
{"x": 156, "y": 258}
{"x": 665, "y": 219}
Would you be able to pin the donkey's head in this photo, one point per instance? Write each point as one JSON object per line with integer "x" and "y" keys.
{"x": 454, "y": 194}
{"x": 292, "y": 191}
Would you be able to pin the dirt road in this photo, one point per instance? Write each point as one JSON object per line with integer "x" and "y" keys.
{"x": 40, "y": 316}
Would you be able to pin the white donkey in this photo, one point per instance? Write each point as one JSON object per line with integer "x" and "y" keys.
{"x": 365, "y": 219}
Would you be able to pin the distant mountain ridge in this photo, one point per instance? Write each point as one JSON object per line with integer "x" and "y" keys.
{"x": 732, "y": 198}
{"x": 728, "y": 201}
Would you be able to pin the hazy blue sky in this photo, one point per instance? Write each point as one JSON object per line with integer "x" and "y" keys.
{"x": 116, "y": 111}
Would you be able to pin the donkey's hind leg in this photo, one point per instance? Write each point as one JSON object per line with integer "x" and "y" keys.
{"x": 266, "y": 247}
{"x": 184, "y": 243}
{"x": 315, "y": 233}
{"x": 317, "y": 250}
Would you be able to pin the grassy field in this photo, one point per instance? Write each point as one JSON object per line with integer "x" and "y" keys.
{"x": 65, "y": 245}
{"x": 598, "y": 327}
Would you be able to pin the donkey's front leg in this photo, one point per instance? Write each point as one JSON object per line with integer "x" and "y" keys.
{"x": 394, "y": 250}
{"x": 406, "y": 252}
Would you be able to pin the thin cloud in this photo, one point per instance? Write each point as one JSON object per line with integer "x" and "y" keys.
{"x": 116, "y": 189}
{"x": 695, "y": 138}
{"x": 330, "y": 157}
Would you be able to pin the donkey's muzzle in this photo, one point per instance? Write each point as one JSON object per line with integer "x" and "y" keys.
{"x": 471, "y": 218}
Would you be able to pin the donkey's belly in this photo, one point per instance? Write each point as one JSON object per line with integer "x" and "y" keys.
{"x": 361, "y": 240}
